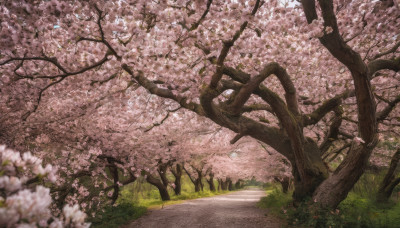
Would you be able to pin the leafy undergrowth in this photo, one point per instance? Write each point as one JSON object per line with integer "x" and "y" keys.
{"x": 362, "y": 212}
{"x": 354, "y": 211}
{"x": 117, "y": 216}
{"x": 276, "y": 201}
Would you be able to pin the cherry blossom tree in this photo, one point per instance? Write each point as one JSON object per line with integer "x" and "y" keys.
{"x": 333, "y": 60}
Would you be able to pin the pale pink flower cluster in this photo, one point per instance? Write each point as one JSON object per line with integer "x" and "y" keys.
{"x": 73, "y": 215}
{"x": 25, "y": 207}
{"x": 316, "y": 28}
{"x": 19, "y": 169}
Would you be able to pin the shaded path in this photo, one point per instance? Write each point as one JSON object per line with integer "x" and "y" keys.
{"x": 237, "y": 209}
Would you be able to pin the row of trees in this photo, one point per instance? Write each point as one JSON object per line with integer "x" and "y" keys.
{"x": 97, "y": 154}
{"x": 316, "y": 82}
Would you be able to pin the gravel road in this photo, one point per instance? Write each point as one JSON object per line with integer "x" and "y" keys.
{"x": 237, "y": 209}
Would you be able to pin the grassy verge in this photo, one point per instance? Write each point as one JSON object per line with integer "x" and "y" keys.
{"x": 276, "y": 201}
{"x": 355, "y": 211}
{"x": 125, "y": 211}
{"x": 117, "y": 216}
{"x": 158, "y": 203}
{"x": 137, "y": 198}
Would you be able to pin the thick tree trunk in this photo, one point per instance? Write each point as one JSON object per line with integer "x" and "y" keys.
{"x": 285, "y": 182}
{"x": 114, "y": 172}
{"x": 335, "y": 189}
{"x": 238, "y": 185}
{"x": 199, "y": 179}
{"x": 224, "y": 185}
{"x": 178, "y": 186}
{"x": 197, "y": 187}
{"x": 198, "y": 184}
{"x": 210, "y": 182}
{"x": 390, "y": 181}
{"x": 201, "y": 185}
{"x": 314, "y": 173}
{"x": 219, "y": 184}
{"x": 159, "y": 185}
{"x": 230, "y": 185}
{"x": 164, "y": 194}
{"x": 177, "y": 172}
{"x": 162, "y": 172}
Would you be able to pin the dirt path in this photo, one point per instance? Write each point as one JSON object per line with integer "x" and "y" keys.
{"x": 237, "y": 209}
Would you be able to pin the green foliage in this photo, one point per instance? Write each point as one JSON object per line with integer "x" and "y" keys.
{"x": 355, "y": 211}
{"x": 310, "y": 214}
{"x": 137, "y": 197}
{"x": 390, "y": 144}
{"x": 195, "y": 195}
{"x": 151, "y": 198}
{"x": 117, "y": 216}
{"x": 368, "y": 184}
{"x": 276, "y": 201}
{"x": 144, "y": 194}
{"x": 362, "y": 212}
{"x": 253, "y": 182}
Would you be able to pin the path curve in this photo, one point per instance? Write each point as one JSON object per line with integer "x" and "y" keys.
{"x": 237, "y": 209}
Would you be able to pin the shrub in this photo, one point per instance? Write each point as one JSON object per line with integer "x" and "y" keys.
{"x": 276, "y": 201}
{"x": 115, "y": 216}
{"x": 355, "y": 211}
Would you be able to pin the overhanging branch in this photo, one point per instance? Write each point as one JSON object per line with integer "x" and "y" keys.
{"x": 325, "y": 108}
{"x": 252, "y": 84}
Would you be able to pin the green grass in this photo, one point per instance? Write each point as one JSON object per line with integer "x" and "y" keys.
{"x": 156, "y": 204}
{"x": 117, "y": 216}
{"x": 276, "y": 201}
{"x": 143, "y": 194}
{"x": 357, "y": 210}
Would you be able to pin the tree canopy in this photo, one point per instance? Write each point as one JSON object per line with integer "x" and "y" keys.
{"x": 309, "y": 79}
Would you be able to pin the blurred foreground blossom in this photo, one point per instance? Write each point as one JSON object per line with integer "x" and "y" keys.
{"x": 20, "y": 205}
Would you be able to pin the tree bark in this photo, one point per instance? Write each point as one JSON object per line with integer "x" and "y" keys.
{"x": 230, "y": 185}
{"x": 238, "y": 184}
{"x": 177, "y": 172}
{"x": 198, "y": 184}
{"x": 210, "y": 182}
{"x": 162, "y": 172}
{"x": 224, "y": 185}
{"x": 390, "y": 181}
{"x": 200, "y": 180}
{"x": 114, "y": 172}
{"x": 315, "y": 169}
{"x": 178, "y": 186}
{"x": 285, "y": 182}
{"x": 335, "y": 188}
{"x": 159, "y": 185}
